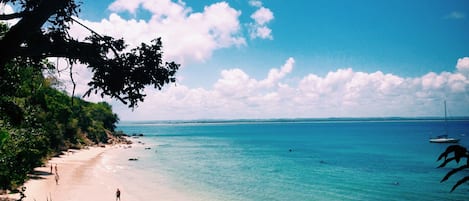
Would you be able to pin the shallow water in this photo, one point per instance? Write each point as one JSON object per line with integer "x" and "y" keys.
{"x": 294, "y": 160}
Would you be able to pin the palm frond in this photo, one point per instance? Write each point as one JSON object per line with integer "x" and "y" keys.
{"x": 453, "y": 171}
{"x": 447, "y": 160}
{"x": 458, "y": 150}
{"x": 461, "y": 181}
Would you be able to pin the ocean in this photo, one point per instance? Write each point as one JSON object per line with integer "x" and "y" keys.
{"x": 290, "y": 160}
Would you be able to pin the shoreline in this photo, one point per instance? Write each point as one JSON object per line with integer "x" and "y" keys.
{"x": 96, "y": 173}
{"x": 76, "y": 170}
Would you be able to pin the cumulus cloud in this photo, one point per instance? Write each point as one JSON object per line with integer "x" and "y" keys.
{"x": 230, "y": 97}
{"x": 187, "y": 36}
{"x": 236, "y": 83}
{"x": 463, "y": 65}
{"x": 277, "y": 74}
{"x": 193, "y": 36}
{"x": 262, "y": 16}
{"x": 340, "y": 93}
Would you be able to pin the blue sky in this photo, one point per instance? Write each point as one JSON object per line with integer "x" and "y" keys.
{"x": 390, "y": 45}
{"x": 295, "y": 59}
{"x": 408, "y": 38}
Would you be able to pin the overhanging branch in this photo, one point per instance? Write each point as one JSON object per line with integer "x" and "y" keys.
{"x": 97, "y": 34}
{"x": 13, "y": 15}
{"x": 26, "y": 27}
{"x": 73, "y": 50}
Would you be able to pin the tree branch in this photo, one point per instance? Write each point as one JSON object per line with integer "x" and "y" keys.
{"x": 97, "y": 34}
{"x": 13, "y": 15}
{"x": 72, "y": 50}
{"x": 26, "y": 27}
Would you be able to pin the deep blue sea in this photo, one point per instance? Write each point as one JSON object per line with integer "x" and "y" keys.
{"x": 296, "y": 159}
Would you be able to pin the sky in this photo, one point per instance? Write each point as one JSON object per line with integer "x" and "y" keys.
{"x": 256, "y": 59}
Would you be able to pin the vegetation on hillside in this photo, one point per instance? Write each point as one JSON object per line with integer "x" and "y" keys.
{"x": 37, "y": 121}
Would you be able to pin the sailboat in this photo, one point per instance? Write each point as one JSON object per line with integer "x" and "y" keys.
{"x": 444, "y": 138}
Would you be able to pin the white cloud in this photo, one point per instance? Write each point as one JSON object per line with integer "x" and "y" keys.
{"x": 255, "y": 3}
{"x": 340, "y": 93}
{"x": 5, "y": 9}
{"x": 237, "y": 84}
{"x": 455, "y": 15}
{"x": 261, "y": 32}
{"x": 275, "y": 74}
{"x": 262, "y": 16}
{"x": 193, "y": 36}
{"x": 463, "y": 65}
{"x": 81, "y": 76}
{"x": 130, "y": 6}
{"x": 187, "y": 36}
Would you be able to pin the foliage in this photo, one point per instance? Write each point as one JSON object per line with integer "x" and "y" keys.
{"x": 19, "y": 153}
{"x": 458, "y": 153}
{"x": 42, "y": 31}
{"x": 37, "y": 120}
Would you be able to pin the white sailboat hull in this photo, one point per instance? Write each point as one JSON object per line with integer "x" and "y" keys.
{"x": 444, "y": 140}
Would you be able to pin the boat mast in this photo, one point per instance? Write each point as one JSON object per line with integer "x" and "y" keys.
{"x": 446, "y": 121}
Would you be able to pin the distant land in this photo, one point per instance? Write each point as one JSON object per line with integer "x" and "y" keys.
{"x": 297, "y": 120}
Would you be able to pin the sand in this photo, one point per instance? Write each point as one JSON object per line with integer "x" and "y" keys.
{"x": 80, "y": 178}
{"x": 91, "y": 174}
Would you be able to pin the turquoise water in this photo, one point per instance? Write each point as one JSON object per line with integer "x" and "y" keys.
{"x": 296, "y": 160}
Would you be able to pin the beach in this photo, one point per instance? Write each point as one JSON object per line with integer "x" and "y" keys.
{"x": 79, "y": 179}
{"x": 94, "y": 173}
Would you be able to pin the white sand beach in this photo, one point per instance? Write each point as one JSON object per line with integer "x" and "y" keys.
{"x": 89, "y": 174}
{"x": 79, "y": 178}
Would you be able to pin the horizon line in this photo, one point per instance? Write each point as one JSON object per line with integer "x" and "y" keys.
{"x": 345, "y": 119}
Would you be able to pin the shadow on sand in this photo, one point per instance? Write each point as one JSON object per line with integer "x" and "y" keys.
{"x": 38, "y": 174}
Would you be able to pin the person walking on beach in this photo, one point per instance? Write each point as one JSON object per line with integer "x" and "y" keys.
{"x": 56, "y": 179}
{"x": 56, "y": 171}
{"x": 50, "y": 168}
{"x": 118, "y": 194}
